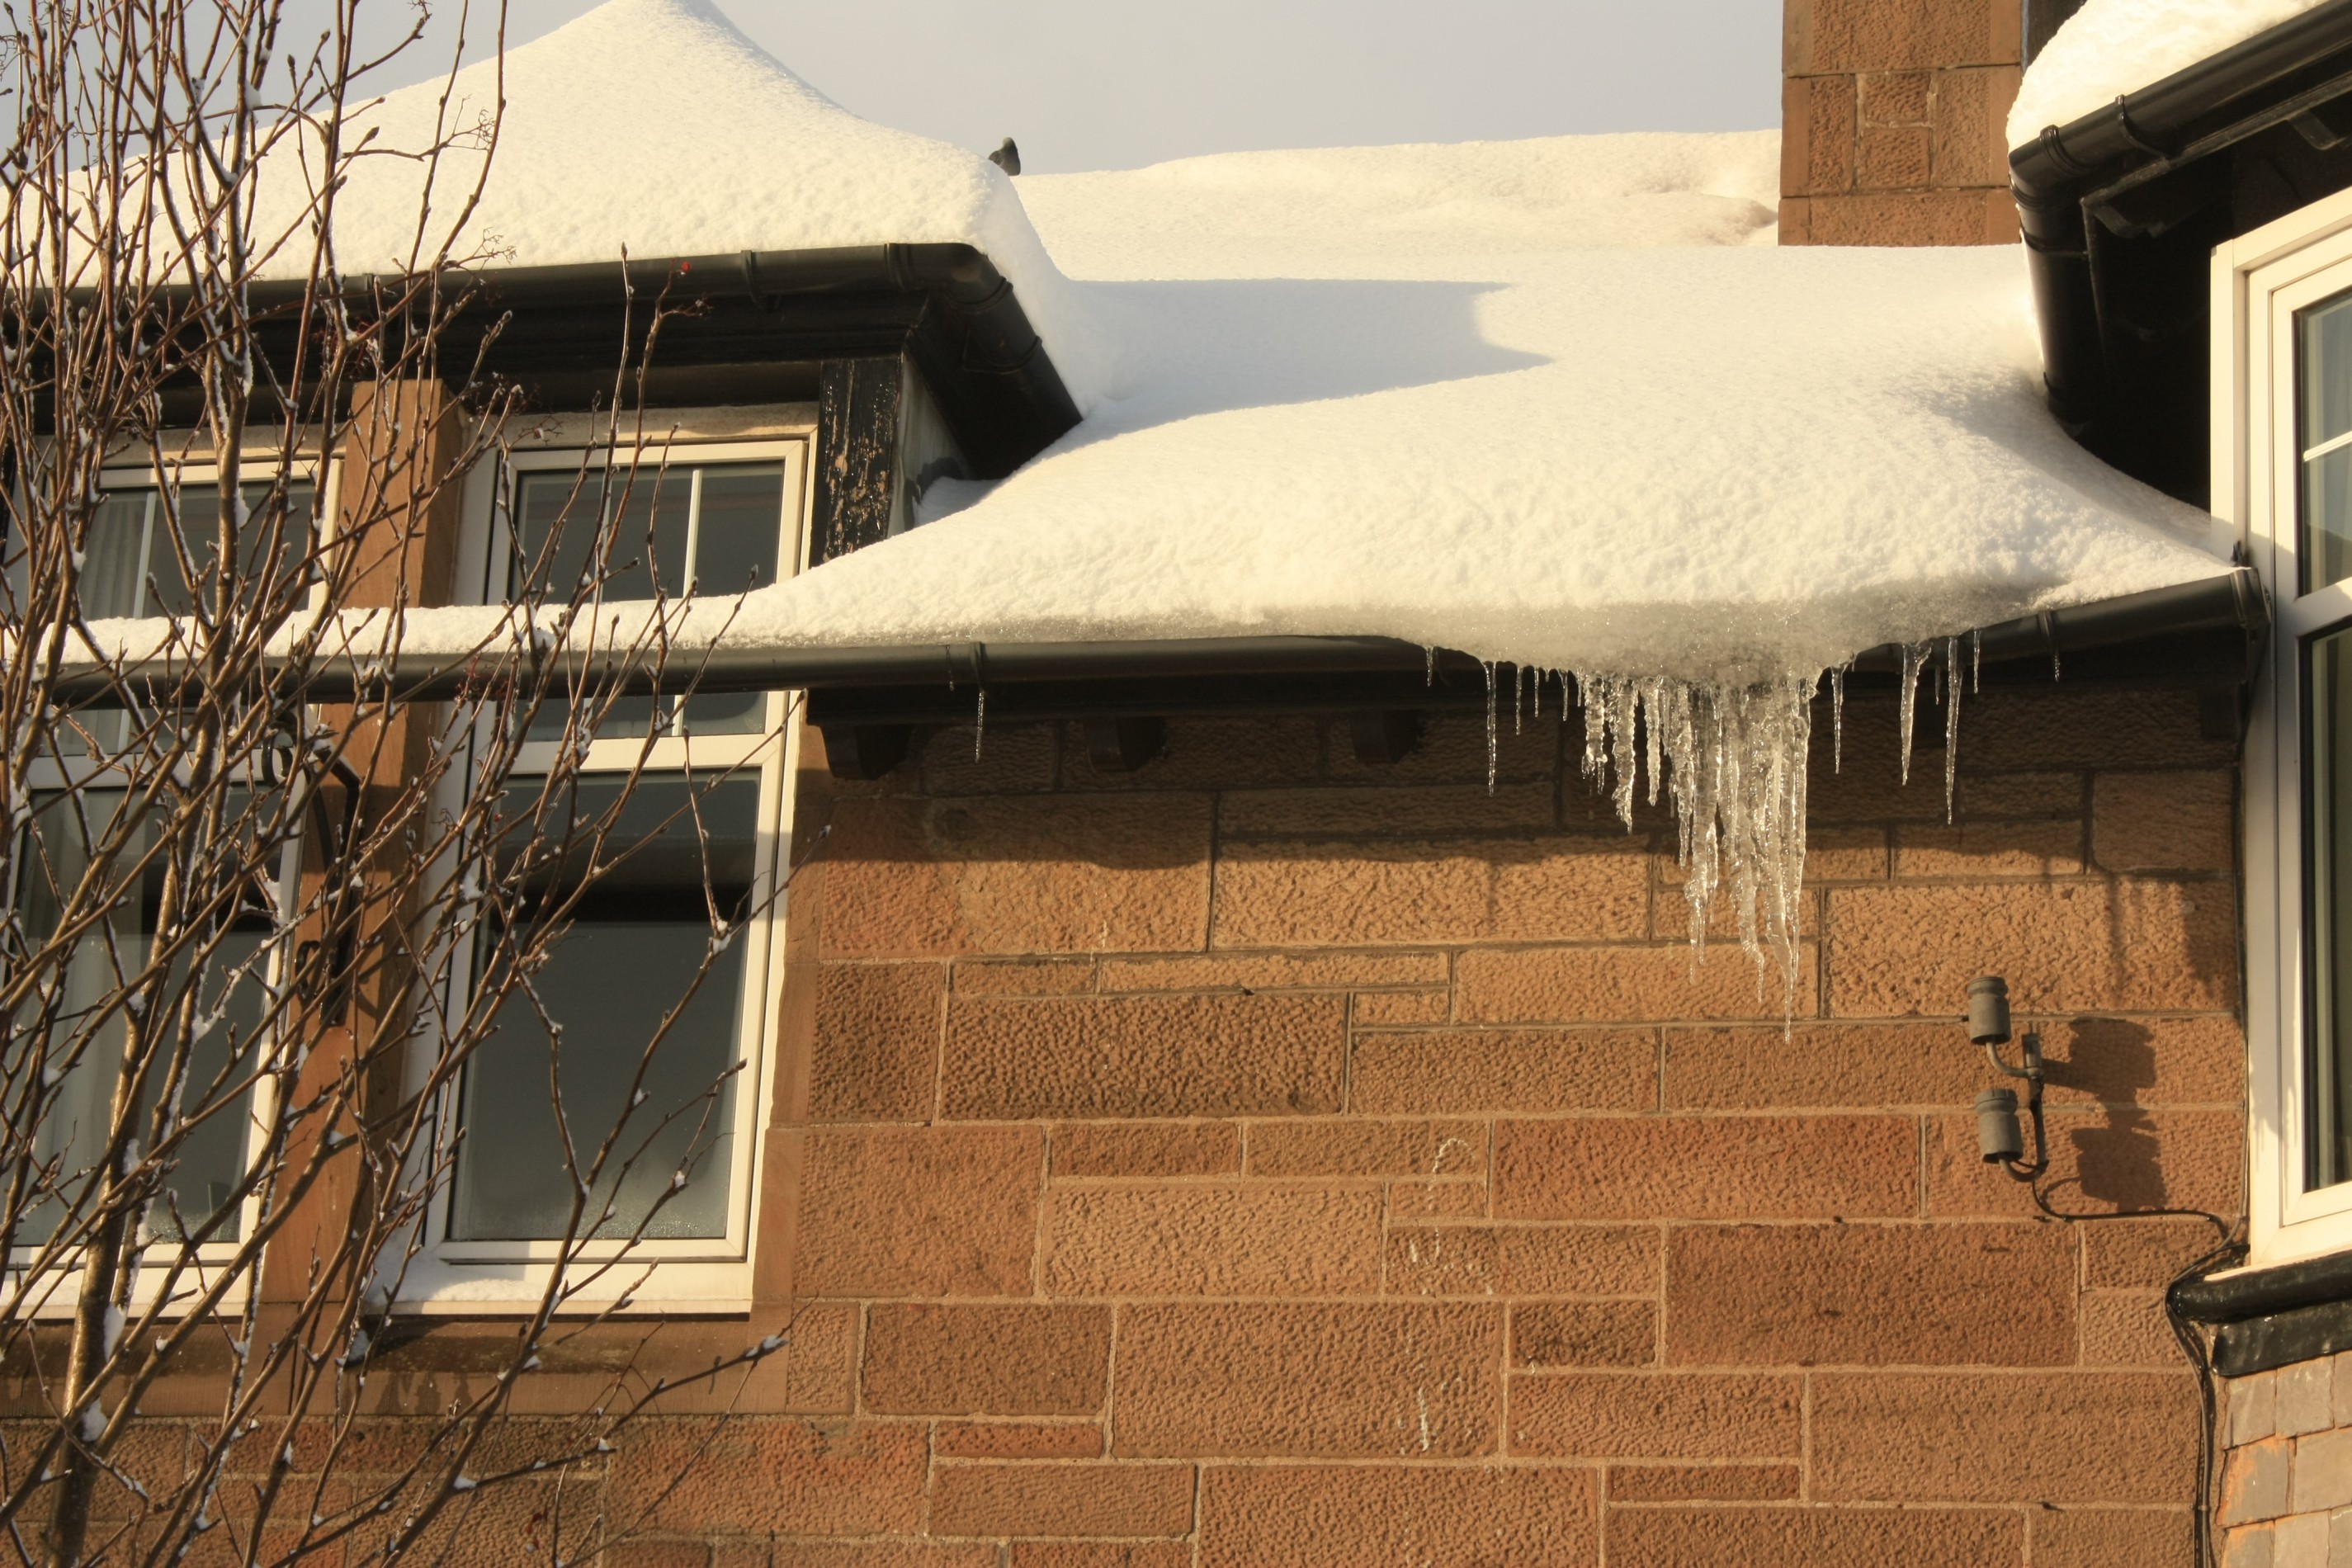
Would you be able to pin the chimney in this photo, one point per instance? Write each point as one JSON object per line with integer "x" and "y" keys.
{"x": 1891, "y": 117}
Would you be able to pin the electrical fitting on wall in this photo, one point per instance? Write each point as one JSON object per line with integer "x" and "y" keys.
{"x": 2000, "y": 1138}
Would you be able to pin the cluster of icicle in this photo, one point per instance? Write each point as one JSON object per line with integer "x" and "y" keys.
{"x": 1731, "y": 755}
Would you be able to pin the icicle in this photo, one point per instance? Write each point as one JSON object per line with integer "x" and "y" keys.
{"x": 2053, "y": 664}
{"x": 1494, "y": 749}
{"x": 1951, "y": 724}
{"x": 1907, "y": 704}
{"x": 1429, "y": 668}
{"x": 1976, "y": 660}
{"x": 980, "y": 724}
{"x": 1837, "y": 719}
{"x": 1518, "y": 701}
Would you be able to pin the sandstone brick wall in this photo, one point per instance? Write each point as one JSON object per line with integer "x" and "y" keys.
{"x": 2287, "y": 1494}
{"x": 1264, "y": 1159}
{"x": 1891, "y": 122}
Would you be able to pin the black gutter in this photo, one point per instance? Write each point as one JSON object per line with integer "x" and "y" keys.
{"x": 2257, "y": 1292}
{"x": 2104, "y": 167}
{"x": 2231, "y": 601}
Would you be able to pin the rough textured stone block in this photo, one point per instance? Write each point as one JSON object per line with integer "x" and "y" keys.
{"x": 1144, "y": 1056}
{"x": 1146, "y": 1149}
{"x": 1209, "y": 754}
{"x": 1102, "y": 1555}
{"x": 1292, "y": 894}
{"x": 986, "y": 1359}
{"x": 765, "y": 1553}
{"x": 1062, "y": 1500}
{"x": 1656, "y": 1415}
{"x": 1395, "y": 812}
{"x": 1460, "y": 1072}
{"x": 1023, "y": 976}
{"x": 1702, "y": 1483}
{"x": 1624, "y": 984}
{"x": 1816, "y": 1537}
{"x": 2128, "y": 1327}
{"x": 2004, "y": 1437}
{"x": 1416, "y": 1202}
{"x": 1553, "y": 1335}
{"x": 1895, "y": 34}
{"x": 1047, "y": 874}
{"x": 1891, "y": 158}
{"x": 1344, "y": 1517}
{"x": 1202, "y": 1239}
{"x": 2107, "y": 1537}
{"x": 2100, "y": 1161}
{"x": 1754, "y": 1295}
{"x": 1017, "y": 1440}
{"x": 864, "y": 1480}
{"x": 1275, "y": 971}
{"x": 1894, "y": 97}
{"x": 1396, "y": 1380}
{"x": 1915, "y": 218}
{"x": 2063, "y": 947}
{"x": 1988, "y": 850}
{"x": 876, "y": 1053}
{"x": 1829, "y": 1067}
{"x": 1522, "y": 1260}
{"x": 2164, "y": 821}
{"x": 919, "y": 1211}
{"x": 2122, "y": 1253}
{"x": 1353, "y": 1146}
{"x": 1988, "y": 796}
{"x": 1722, "y": 1167}
{"x": 1971, "y": 125}
{"x": 1400, "y": 1009}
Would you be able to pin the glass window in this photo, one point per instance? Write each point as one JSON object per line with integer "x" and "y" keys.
{"x": 713, "y": 528}
{"x": 130, "y": 567}
{"x": 649, "y": 935}
{"x": 86, "y": 1040}
{"x": 2327, "y": 719}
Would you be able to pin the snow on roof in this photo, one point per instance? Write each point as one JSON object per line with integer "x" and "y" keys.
{"x": 2111, "y": 47}
{"x": 1689, "y": 460}
{"x": 656, "y": 126}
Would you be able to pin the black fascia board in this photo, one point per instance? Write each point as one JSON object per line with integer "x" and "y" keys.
{"x": 2213, "y": 627}
{"x": 737, "y": 327}
{"x": 2120, "y": 211}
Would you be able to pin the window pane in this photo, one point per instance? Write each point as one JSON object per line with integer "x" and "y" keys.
{"x": 735, "y": 551}
{"x": 199, "y": 514}
{"x": 112, "y": 564}
{"x": 640, "y": 936}
{"x": 2324, "y": 416}
{"x": 211, "y": 1156}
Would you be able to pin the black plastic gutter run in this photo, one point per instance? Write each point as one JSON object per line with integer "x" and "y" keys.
{"x": 2257, "y": 1292}
{"x": 2068, "y": 173}
{"x": 2231, "y": 602}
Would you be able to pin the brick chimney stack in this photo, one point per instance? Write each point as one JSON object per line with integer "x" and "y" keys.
{"x": 1891, "y": 122}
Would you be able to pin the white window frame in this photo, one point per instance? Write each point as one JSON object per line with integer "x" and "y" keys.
{"x": 48, "y": 774}
{"x": 662, "y": 1276}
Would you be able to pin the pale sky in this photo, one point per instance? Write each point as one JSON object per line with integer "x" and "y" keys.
{"x": 1107, "y": 84}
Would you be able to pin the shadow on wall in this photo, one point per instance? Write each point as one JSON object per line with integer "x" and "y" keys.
{"x": 2120, "y": 1164}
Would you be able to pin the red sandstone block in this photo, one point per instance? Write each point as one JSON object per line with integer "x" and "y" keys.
{"x": 1452, "y": 750}
{"x": 2164, "y": 821}
{"x": 1523, "y": 1260}
{"x": 1702, "y": 1483}
{"x": 2082, "y": 727}
{"x": 2128, "y": 1327}
{"x": 986, "y": 1359}
{"x": 1897, "y": 35}
{"x": 1386, "y": 812}
{"x": 1023, "y": 976}
{"x": 909, "y": 878}
{"x": 1395, "y": 1380}
{"x": 862, "y": 1479}
{"x": 2103, "y": 1537}
{"x": 1623, "y": 984}
{"x": 1815, "y": 1537}
{"x": 1971, "y": 125}
{"x": 1987, "y": 852}
{"x": 2065, "y": 947}
{"x": 2123, "y": 1255}
{"x": 1351, "y": 1146}
{"x": 1143, "y": 1149}
{"x": 1714, "y": 1167}
{"x": 1894, "y": 97}
{"x": 919, "y": 1211}
{"x": 1656, "y": 1415}
{"x": 1464, "y": 1071}
{"x": 974, "y": 1499}
{"x": 1018, "y": 1440}
{"x": 1891, "y": 158}
{"x": 1407, "y": 892}
{"x": 2002, "y": 1436}
{"x": 1910, "y": 1294}
{"x": 1411, "y": 1202}
{"x": 1303, "y": 1516}
{"x": 1842, "y": 855}
{"x": 1274, "y": 971}
{"x": 2100, "y": 1161}
{"x": 1985, "y": 796}
{"x": 1008, "y": 758}
{"x": 820, "y": 1359}
{"x": 876, "y": 1052}
{"x": 1143, "y": 1057}
{"x": 848, "y": 1554}
{"x": 1218, "y": 754}
{"x": 1220, "y": 1239}
{"x": 1915, "y": 217}
{"x": 1824, "y": 107}
{"x": 1555, "y": 1335}
{"x": 1102, "y": 1555}
{"x": 1400, "y": 1009}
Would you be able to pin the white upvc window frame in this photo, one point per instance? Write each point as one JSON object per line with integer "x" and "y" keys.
{"x": 713, "y": 1276}
{"x": 50, "y": 774}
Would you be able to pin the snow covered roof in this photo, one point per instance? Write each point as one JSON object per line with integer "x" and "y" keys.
{"x": 2111, "y": 47}
{"x": 658, "y": 127}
